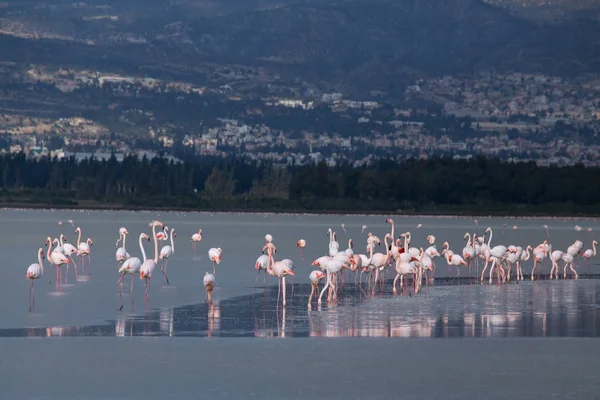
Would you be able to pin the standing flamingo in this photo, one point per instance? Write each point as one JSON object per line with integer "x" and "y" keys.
{"x": 132, "y": 266}
{"x": 315, "y": 277}
{"x": 69, "y": 251}
{"x": 147, "y": 268}
{"x": 166, "y": 252}
{"x": 121, "y": 254}
{"x": 590, "y": 253}
{"x": 261, "y": 265}
{"x": 301, "y": 244}
{"x": 58, "y": 259}
{"x": 84, "y": 250}
{"x": 209, "y": 284}
{"x": 196, "y": 237}
{"x": 34, "y": 271}
{"x": 278, "y": 269}
{"x": 215, "y": 256}
{"x": 332, "y": 267}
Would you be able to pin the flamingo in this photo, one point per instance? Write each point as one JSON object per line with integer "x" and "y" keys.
{"x": 279, "y": 269}
{"x": 590, "y": 253}
{"x": 334, "y": 246}
{"x": 209, "y": 284}
{"x": 363, "y": 229}
{"x": 166, "y": 252}
{"x": 568, "y": 259}
{"x": 84, "y": 249}
{"x": 215, "y": 256}
{"x": 301, "y": 244}
{"x": 554, "y": 257}
{"x": 69, "y": 250}
{"x": 121, "y": 254}
{"x": 147, "y": 268}
{"x": 268, "y": 238}
{"x": 196, "y": 237}
{"x": 261, "y": 265}
{"x": 468, "y": 252}
{"x": 58, "y": 259}
{"x": 315, "y": 277}
{"x": 34, "y": 271}
{"x": 332, "y": 267}
{"x": 344, "y": 228}
{"x": 132, "y": 266}
{"x": 452, "y": 258}
{"x": 163, "y": 235}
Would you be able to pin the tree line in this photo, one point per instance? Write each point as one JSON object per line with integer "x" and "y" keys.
{"x": 436, "y": 185}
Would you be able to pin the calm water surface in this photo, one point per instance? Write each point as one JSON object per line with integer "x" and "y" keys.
{"x": 89, "y": 306}
{"x": 159, "y": 356}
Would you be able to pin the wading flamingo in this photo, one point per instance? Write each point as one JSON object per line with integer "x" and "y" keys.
{"x": 315, "y": 277}
{"x": 147, "y": 268}
{"x": 166, "y": 252}
{"x": 132, "y": 266}
{"x": 196, "y": 237}
{"x": 84, "y": 250}
{"x": 215, "y": 256}
{"x": 34, "y": 271}
{"x": 278, "y": 269}
{"x": 209, "y": 284}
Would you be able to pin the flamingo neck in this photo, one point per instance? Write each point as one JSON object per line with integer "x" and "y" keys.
{"x": 594, "y": 247}
{"x": 269, "y": 269}
{"x": 40, "y": 260}
{"x": 172, "y": 243}
{"x": 393, "y": 228}
{"x": 142, "y": 248}
{"x": 469, "y": 240}
{"x": 155, "y": 243}
{"x": 79, "y": 238}
{"x": 49, "y": 249}
{"x": 125, "y": 238}
{"x": 61, "y": 240}
{"x": 490, "y": 238}
{"x": 387, "y": 248}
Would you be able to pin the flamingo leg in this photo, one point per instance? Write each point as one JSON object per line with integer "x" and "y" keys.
{"x": 312, "y": 292}
{"x": 283, "y": 283}
{"x": 324, "y": 288}
{"x": 570, "y": 266}
{"x": 131, "y": 287}
{"x": 89, "y": 263}
{"x": 213, "y": 263}
{"x": 30, "y": 295}
{"x": 164, "y": 271}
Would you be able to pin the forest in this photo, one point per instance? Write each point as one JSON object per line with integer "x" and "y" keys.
{"x": 437, "y": 185}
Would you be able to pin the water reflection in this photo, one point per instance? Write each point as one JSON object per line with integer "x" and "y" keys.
{"x": 563, "y": 308}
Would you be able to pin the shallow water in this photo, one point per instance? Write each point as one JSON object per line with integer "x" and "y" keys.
{"x": 89, "y": 363}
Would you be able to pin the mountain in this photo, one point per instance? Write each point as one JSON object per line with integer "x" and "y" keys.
{"x": 353, "y": 45}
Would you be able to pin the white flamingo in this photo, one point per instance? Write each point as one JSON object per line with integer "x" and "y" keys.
{"x": 149, "y": 265}
{"x": 166, "y": 252}
{"x": 34, "y": 271}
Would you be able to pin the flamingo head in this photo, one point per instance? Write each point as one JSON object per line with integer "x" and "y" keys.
{"x": 63, "y": 237}
{"x": 173, "y": 233}
{"x": 48, "y": 240}
{"x": 301, "y": 243}
{"x": 142, "y": 275}
{"x": 389, "y": 221}
{"x": 445, "y": 246}
{"x": 488, "y": 229}
{"x": 89, "y": 241}
{"x": 123, "y": 231}
{"x": 217, "y": 259}
{"x": 256, "y": 265}
{"x": 316, "y": 263}
{"x": 78, "y": 230}
{"x": 350, "y": 243}
{"x": 145, "y": 236}
{"x": 41, "y": 252}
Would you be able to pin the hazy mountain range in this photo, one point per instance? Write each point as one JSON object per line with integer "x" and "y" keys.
{"x": 353, "y": 45}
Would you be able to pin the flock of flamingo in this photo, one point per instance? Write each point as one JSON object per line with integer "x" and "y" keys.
{"x": 418, "y": 264}
{"x": 408, "y": 262}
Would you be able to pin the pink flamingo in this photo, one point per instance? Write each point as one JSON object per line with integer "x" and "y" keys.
{"x": 34, "y": 271}
{"x": 196, "y": 237}
{"x": 315, "y": 277}
{"x": 148, "y": 267}
{"x": 215, "y": 256}
{"x": 301, "y": 244}
{"x": 57, "y": 258}
{"x": 278, "y": 269}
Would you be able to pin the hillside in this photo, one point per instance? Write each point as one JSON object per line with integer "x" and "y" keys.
{"x": 353, "y": 46}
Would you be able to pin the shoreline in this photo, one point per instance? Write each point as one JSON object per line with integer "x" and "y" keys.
{"x": 94, "y": 206}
